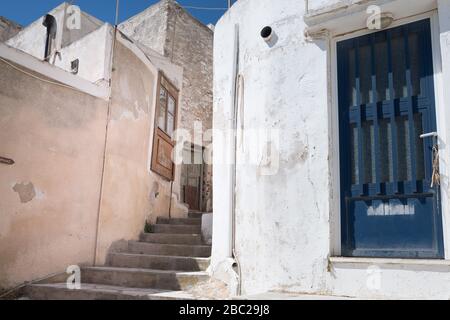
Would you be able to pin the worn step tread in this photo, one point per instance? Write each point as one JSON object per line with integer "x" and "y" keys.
{"x": 89, "y": 291}
{"x": 143, "y": 278}
{"x": 180, "y": 221}
{"x": 171, "y": 238}
{"x": 195, "y": 215}
{"x": 178, "y": 229}
{"x": 201, "y": 251}
{"x": 180, "y": 263}
{"x": 143, "y": 270}
{"x": 158, "y": 256}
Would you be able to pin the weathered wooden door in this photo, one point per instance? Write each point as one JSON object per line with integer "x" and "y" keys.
{"x": 191, "y": 176}
{"x": 386, "y": 101}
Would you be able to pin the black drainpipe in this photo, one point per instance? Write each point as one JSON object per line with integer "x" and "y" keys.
{"x": 51, "y": 25}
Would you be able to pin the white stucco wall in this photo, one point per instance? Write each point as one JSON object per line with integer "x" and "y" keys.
{"x": 286, "y": 223}
{"x": 91, "y": 44}
{"x": 94, "y": 53}
{"x": 32, "y": 38}
{"x": 282, "y": 228}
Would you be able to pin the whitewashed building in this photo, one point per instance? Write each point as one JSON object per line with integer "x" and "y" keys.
{"x": 346, "y": 201}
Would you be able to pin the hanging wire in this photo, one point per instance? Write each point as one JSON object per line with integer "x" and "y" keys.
{"x": 117, "y": 13}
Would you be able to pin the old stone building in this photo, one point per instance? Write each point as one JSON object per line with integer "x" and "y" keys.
{"x": 172, "y": 32}
{"x": 88, "y": 119}
{"x": 8, "y": 29}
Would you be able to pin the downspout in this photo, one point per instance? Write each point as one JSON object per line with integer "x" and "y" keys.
{"x": 236, "y": 77}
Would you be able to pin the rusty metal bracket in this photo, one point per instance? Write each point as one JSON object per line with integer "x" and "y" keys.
{"x": 6, "y": 161}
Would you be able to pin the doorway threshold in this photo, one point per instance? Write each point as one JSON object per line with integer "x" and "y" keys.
{"x": 422, "y": 264}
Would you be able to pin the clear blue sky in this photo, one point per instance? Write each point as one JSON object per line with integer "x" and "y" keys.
{"x": 26, "y": 11}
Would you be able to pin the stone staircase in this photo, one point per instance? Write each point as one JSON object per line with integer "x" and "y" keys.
{"x": 163, "y": 265}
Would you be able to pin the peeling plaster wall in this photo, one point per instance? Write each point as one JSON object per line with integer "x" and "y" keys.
{"x": 144, "y": 195}
{"x": 283, "y": 233}
{"x": 49, "y": 197}
{"x": 282, "y": 220}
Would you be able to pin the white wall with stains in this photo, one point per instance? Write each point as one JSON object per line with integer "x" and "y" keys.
{"x": 282, "y": 219}
{"x": 286, "y": 223}
{"x": 90, "y": 44}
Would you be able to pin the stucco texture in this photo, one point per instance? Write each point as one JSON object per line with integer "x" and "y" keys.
{"x": 281, "y": 219}
{"x": 81, "y": 182}
{"x": 287, "y": 224}
{"x": 49, "y": 197}
{"x": 132, "y": 193}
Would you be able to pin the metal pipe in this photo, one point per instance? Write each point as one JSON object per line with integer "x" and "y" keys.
{"x": 105, "y": 146}
{"x": 234, "y": 171}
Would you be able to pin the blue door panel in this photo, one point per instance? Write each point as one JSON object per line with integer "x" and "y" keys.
{"x": 386, "y": 101}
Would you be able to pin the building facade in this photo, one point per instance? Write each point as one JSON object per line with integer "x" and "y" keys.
{"x": 88, "y": 120}
{"x": 350, "y": 196}
{"x": 172, "y": 32}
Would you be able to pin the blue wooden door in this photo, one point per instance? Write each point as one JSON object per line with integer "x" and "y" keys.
{"x": 386, "y": 101}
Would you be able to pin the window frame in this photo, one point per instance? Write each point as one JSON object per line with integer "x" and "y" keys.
{"x": 160, "y": 135}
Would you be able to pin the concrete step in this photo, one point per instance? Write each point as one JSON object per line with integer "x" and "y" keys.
{"x": 126, "y": 260}
{"x": 59, "y": 291}
{"x": 195, "y": 215}
{"x": 180, "y": 221}
{"x": 143, "y": 278}
{"x": 169, "y": 249}
{"x": 167, "y": 238}
{"x": 178, "y": 229}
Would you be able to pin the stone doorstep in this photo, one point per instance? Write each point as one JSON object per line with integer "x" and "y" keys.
{"x": 59, "y": 291}
{"x": 290, "y": 296}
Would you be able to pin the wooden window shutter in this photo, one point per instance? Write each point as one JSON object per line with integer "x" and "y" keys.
{"x": 166, "y": 114}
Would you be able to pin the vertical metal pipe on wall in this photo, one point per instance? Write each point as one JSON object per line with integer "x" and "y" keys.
{"x": 113, "y": 45}
{"x": 236, "y": 76}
